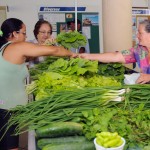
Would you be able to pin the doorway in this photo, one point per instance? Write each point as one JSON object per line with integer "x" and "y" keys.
{"x": 3, "y": 15}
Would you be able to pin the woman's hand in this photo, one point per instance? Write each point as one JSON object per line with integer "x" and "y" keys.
{"x": 143, "y": 78}
{"x": 50, "y": 41}
{"x": 84, "y": 55}
{"x": 74, "y": 55}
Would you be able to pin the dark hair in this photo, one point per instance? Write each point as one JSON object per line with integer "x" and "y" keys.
{"x": 8, "y": 27}
{"x": 38, "y": 25}
{"x": 73, "y": 21}
{"x": 146, "y": 23}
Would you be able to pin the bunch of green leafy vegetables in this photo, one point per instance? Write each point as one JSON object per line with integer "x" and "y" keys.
{"x": 73, "y": 66}
{"x": 130, "y": 118}
{"x": 42, "y": 66}
{"x": 51, "y": 82}
{"x": 72, "y": 39}
{"x": 132, "y": 124}
{"x": 115, "y": 70}
{"x": 65, "y": 74}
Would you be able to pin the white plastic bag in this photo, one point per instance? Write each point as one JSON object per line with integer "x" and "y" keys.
{"x": 131, "y": 78}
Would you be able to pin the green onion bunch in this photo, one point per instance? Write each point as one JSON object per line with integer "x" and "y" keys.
{"x": 62, "y": 106}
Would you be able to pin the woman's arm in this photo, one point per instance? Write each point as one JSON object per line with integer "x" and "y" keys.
{"x": 17, "y": 52}
{"x": 34, "y": 50}
{"x": 104, "y": 57}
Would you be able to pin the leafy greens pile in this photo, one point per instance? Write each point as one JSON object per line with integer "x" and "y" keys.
{"x": 64, "y": 74}
{"x": 131, "y": 119}
{"x": 72, "y": 39}
{"x": 115, "y": 70}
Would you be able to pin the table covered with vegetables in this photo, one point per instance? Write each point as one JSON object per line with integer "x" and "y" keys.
{"x": 75, "y": 99}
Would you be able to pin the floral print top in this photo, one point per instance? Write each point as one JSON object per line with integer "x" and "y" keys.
{"x": 138, "y": 54}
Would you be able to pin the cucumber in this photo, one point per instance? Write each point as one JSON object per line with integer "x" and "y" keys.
{"x": 45, "y": 141}
{"x": 71, "y": 146}
{"x": 60, "y": 129}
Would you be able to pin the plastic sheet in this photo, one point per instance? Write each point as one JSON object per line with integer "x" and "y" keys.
{"x": 131, "y": 78}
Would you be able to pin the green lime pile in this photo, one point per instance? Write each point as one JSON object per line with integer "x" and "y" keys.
{"x": 108, "y": 139}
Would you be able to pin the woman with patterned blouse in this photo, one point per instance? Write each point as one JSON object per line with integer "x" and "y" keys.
{"x": 140, "y": 53}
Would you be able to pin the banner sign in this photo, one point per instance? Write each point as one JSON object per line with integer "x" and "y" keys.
{"x": 140, "y": 12}
{"x": 57, "y": 9}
